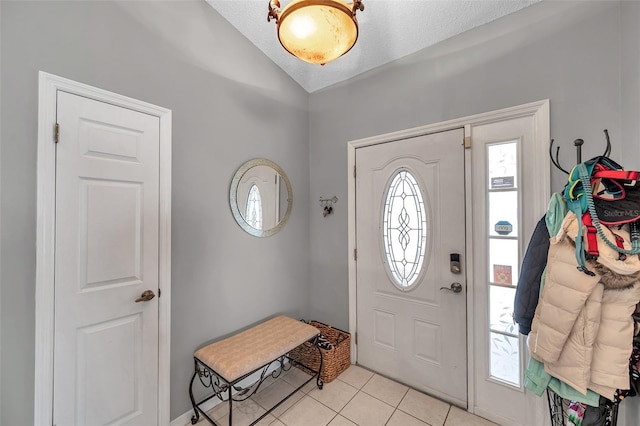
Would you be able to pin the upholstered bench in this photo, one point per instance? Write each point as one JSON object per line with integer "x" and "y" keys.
{"x": 263, "y": 348}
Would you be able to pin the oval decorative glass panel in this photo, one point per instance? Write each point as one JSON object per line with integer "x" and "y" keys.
{"x": 254, "y": 208}
{"x": 404, "y": 229}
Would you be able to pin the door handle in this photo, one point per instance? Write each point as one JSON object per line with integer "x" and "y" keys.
{"x": 146, "y": 296}
{"x": 455, "y": 287}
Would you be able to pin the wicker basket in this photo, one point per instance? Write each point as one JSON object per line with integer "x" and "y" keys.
{"x": 334, "y": 360}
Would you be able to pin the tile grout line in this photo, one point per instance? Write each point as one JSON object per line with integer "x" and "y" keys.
{"x": 409, "y": 414}
{"x": 359, "y": 390}
{"x": 396, "y": 408}
{"x": 447, "y": 416}
{"x": 302, "y": 391}
{"x": 347, "y": 403}
{"x": 319, "y": 402}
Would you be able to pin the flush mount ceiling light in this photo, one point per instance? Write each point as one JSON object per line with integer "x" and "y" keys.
{"x": 316, "y": 31}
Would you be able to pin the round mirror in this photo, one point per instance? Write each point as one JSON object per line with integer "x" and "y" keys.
{"x": 261, "y": 197}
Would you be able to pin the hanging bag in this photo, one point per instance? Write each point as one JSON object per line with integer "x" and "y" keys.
{"x": 616, "y": 202}
{"x": 616, "y": 195}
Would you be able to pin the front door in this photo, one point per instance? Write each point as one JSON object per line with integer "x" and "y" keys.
{"x": 106, "y": 256}
{"x": 411, "y": 299}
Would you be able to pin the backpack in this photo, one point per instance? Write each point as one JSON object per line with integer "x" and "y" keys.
{"x": 602, "y": 193}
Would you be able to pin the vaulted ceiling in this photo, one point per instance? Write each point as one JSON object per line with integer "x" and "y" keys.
{"x": 389, "y": 29}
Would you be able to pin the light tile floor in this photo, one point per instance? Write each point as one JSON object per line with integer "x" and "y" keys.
{"x": 358, "y": 397}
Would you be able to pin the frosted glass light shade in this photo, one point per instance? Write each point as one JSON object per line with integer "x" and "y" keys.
{"x": 317, "y": 31}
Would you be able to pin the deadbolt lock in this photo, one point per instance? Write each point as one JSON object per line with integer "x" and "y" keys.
{"x": 454, "y": 263}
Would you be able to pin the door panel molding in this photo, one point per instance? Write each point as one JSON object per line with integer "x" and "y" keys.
{"x": 49, "y": 85}
{"x": 538, "y": 195}
{"x": 402, "y": 210}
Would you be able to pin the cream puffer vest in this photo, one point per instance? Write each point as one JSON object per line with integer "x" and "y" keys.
{"x": 582, "y": 329}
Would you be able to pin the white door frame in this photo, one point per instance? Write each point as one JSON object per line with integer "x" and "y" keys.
{"x": 49, "y": 85}
{"x": 539, "y": 197}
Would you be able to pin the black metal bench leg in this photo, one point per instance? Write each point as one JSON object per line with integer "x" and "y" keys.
{"x": 319, "y": 381}
{"x": 230, "y": 406}
{"x": 196, "y": 415}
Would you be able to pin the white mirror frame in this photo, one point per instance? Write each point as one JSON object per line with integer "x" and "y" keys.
{"x": 233, "y": 197}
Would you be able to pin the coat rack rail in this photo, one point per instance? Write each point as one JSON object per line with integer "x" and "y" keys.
{"x": 578, "y": 144}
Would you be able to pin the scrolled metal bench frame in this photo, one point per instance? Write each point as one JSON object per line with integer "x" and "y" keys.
{"x": 220, "y": 386}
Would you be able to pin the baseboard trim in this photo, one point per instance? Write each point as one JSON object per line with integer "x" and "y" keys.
{"x": 185, "y": 419}
{"x": 494, "y": 418}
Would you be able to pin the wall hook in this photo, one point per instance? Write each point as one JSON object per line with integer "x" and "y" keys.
{"x": 578, "y": 144}
{"x": 327, "y": 205}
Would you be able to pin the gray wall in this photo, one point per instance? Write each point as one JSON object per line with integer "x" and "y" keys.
{"x": 230, "y": 104}
{"x": 566, "y": 52}
{"x": 630, "y": 83}
{"x": 0, "y": 226}
{"x": 630, "y": 93}
{"x": 570, "y": 53}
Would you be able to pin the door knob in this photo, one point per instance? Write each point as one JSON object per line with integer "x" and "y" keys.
{"x": 455, "y": 287}
{"x": 146, "y": 296}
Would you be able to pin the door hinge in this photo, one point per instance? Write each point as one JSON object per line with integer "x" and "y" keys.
{"x": 159, "y": 292}
{"x": 354, "y": 171}
{"x": 56, "y": 136}
{"x": 356, "y": 337}
{"x": 355, "y": 254}
{"x": 467, "y": 142}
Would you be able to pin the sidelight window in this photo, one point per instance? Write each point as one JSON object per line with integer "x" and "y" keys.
{"x": 504, "y": 258}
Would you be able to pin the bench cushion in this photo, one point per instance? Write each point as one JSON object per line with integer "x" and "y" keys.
{"x": 248, "y": 350}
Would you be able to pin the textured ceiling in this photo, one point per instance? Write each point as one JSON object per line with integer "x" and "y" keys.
{"x": 389, "y": 29}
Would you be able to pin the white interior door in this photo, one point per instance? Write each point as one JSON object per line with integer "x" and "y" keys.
{"x": 106, "y": 255}
{"x": 410, "y": 217}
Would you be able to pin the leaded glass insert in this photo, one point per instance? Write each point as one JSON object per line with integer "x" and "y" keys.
{"x": 404, "y": 229}
{"x": 505, "y": 358}
{"x": 503, "y": 165}
{"x": 253, "y": 214}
